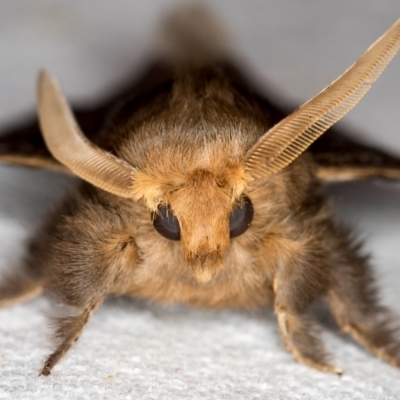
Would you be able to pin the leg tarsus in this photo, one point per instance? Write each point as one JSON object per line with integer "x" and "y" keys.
{"x": 300, "y": 338}
{"x": 68, "y": 331}
{"x": 375, "y": 330}
{"x": 354, "y": 300}
{"x": 19, "y": 289}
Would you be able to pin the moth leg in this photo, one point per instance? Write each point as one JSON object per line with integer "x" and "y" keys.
{"x": 354, "y": 302}
{"x": 19, "y": 288}
{"x": 299, "y": 283}
{"x": 86, "y": 255}
{"x": 23, "y": 295}
{"x": 300, "y": 337}
{"x": 375, "y": 333}
{"x": 68, "y": 332}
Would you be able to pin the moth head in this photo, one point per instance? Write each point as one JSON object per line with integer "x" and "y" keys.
{"x": 203, "y": 204}
{"x": 204, "y": 215}
{"x": 203, "y": 209}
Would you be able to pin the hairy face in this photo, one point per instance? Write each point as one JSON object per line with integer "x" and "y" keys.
{"x": 203, "y": 210}
{"x": 202, "y": 207}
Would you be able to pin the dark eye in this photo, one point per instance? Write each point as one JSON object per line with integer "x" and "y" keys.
{"x": 241, "y": 217}
{"x": 166, "y": 224}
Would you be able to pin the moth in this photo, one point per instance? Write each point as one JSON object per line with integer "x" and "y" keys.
{"x": 195, "y": 188}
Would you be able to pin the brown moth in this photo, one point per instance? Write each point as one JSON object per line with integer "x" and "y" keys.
{"x": 196, "y": 189}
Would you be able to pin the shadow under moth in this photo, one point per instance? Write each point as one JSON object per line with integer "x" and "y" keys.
{"x": 195, "y": 188}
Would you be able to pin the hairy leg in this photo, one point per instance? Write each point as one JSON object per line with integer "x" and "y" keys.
{"x": 298, "y": 283}
{"x": 17, "y": 289}
{"x": 86, "y": 255}
{"x": 67, "y": 332}
{"x": 354, "y": 302}
{"x": 21, "y": 284}
{"x": 301, "y": 337}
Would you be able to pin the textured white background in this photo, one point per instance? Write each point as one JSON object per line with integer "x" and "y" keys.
{"x": 133, "y": 350}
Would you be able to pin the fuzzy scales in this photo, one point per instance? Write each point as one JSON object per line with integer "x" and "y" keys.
{"x": 133, "y": 350}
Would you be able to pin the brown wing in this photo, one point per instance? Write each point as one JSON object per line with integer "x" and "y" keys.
{"x": 23, "y": 144}
{"x": 340, "y": 158}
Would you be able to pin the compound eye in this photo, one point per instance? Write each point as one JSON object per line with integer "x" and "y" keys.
{"x": 166, "y": 224}
{"x": 241, "y": 217}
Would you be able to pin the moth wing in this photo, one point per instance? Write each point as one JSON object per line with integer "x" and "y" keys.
{"x": 340, "y": 158}
{"x": 337, "y": 156}
{"x": 23, "y": 144}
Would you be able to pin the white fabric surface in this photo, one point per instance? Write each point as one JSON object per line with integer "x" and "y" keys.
{"x": 135, "y": 350}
